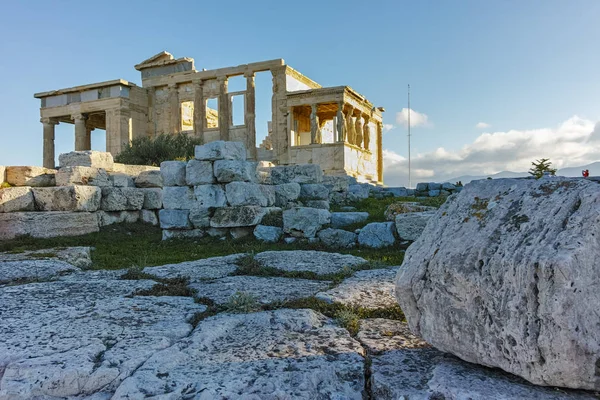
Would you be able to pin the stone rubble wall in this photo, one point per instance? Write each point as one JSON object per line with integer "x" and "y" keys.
{"x": 89, "y": 190}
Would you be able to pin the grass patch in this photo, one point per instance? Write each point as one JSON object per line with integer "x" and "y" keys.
{"x": 125, "y": 245}
{"x": 241, "y": 302}
{"x": 165, "y": 287}
{"x": 248, "y": 265}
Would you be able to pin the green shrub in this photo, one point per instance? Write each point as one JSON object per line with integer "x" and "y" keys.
{"x": 241, "y": 302}
{"x": 349, "y": 320}
{"x": 153, "y": 151}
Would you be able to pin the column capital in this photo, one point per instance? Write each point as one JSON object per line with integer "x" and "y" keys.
{"x": 198, "y": 82}
{"x": 249, "y": 74}
{"x": 79, "y": 116}
{"x": 49, "y": 121}
{"x": 222, "y": 78}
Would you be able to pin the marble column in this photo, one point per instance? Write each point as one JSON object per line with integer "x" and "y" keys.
{"x": 380, "y": 151}
{"x": 224, "y": 109}
{"x": 340, "y": 123}
{"x": 174, "y": 109}
{"x": 199, "y": 109}
{"x": 80, "y": 131}
{"x": 49, "y": 124}
{"x": 314, "y": 125}
{"x": 118, "y": 130}
{"x": 250, "y": 114}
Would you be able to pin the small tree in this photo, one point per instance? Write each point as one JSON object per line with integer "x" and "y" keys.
{"x": 540, "y": 167}
{"x": 153, "y": 151}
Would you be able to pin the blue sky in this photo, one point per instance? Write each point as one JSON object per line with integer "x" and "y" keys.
{"x": 529, "y": 70}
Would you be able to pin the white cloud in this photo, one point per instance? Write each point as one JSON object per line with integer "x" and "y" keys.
{"x": 482, "y": 125}
{"x": 574, "y": 142}
{"x": 388, "y": 127}
{"x": 416, "y": 118}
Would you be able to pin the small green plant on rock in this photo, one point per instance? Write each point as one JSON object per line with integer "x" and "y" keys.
{"x": 242, "y": 302}
{"x": 349, "y": 320}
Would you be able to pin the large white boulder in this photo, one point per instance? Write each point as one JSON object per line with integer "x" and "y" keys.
{"x": 235, "y": 170}
{"x": 505, "y": 278}
{"x": 231, "y": 217}
{"x": 173, "y": 173}
{"x": 246, "y": 194}
{"x": 149, "y": 179}
{"x": 87, "y": 158}
{"x": 16, "y": 199}
{"x": 377, "y": 235}
{"x": 67, "y": 198}
{"x": 199, "y": 173}
{"x": 118, "y": 199}
{"x": 410, "y": 225}
{"x": 178, "y": 197}
{"x": 301, "y": 173}
{"x": 210, "y": 196}
{"x": 305, "y": 221}
{"x": 30, "y": 176}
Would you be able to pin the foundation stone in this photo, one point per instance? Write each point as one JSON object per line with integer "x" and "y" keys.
{"x": 87, "y": 158}
{"x": 30, "y": 176}
{"x": 67, "y": 198}
{"x": 16, "y": 199}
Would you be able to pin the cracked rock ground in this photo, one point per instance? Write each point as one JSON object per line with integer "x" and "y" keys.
{"x": 69, "y": 333}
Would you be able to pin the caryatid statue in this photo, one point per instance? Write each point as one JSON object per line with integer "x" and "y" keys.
{"x": 350, "y": 128}
{"x": 366, "y": 133}
{"x": 341, "y": 123}
{"x": 359, "y": 130}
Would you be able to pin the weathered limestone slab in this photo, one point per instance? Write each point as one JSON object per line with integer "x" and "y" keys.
{"x": 178, "y": 197}
{"x": 304, "y": 221}
{"x": 235, "y": 170}
{"x": 117, "y": 217}
{"x": 67, "y": 176}
{"x": 245, "y": 194}
{"x": 425, "y": 373}
{"x": 87, "y": 158}
{"x": 337, "y": 238}
{"x": 503, "y": 278}
{"x": 200, "y": 216}
{"x": 410, "y": 225}
{"x": 322, "y": 204}
{"x": 199, "y": 173}
{"x": 33, "y": 270}
{"x": 119, "y": 199}
{"x": 47, "y": 224}
{"x": 301, "y": 173}
{"x": 210, "y": 196}
{"x": 149, "y": 179}
{"x": 342, "y": 219}
{"x": 182, "y": 234}
{"x": 16, "y": 199}
{"x": 174, "y": 219}
{"x": 370, "y": 289}
{"x": 265, "y": 290}
{"x": 149, "y": 217}
{"x": 198, "y": 270}
{"x": 281, "y": 354}
{"x": 67, "y": 198}
{"x": 377, "y": 235}
{"x": 269, "y": 192}
{"x": 286, "y": 193}
{"x": 268, "y": 234}
{"x": 314, "y": 191}
{"x": 153, "y": 198}
{"x": 121, "y": 180}
{"x": 133, "y": 170}
{"x": 231, "y": 217}
{"x": 79, "y": 256}
{"x": 336, "y": 183}
{"x": 173, "y": 173}
{"x": 82, "y": 337}
{"x": 319, "y": 262}
{"x": 2, "y": 174}
{"x": 379, "y": 335}
{"x": 220, "y": 150}
{"x": 30, "y": 176}
{"x": 398, "y": 208}
{"x": 358, "y": 192}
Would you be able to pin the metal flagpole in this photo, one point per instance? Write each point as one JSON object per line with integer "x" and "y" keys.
{"x": 409, "y": 180}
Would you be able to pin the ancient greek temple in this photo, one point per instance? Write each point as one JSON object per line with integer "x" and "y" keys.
{"x": 335, "y": 127}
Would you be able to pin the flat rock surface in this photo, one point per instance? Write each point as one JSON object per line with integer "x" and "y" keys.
{"x": 379, "y": 335}
{"x": 264, "y": 289}
{"x": 78, "y": 256}
{"x": 33, "y": 270}
{"x": 283, "y": 354}
{"x": 82, "y": 335}
{"x": 206, "y": 268}
{"x": 320, "y": 262}
{"x": 426, "y": 374}
{"x": 369, "y": 289}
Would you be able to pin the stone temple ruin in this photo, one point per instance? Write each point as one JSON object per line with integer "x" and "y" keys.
{"x": 334, "y": 127}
